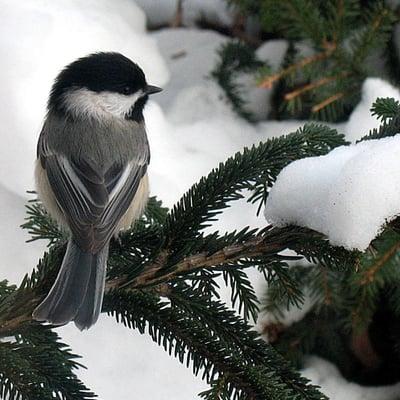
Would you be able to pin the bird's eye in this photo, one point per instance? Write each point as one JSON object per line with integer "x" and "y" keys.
{"x": 127, "y": 90}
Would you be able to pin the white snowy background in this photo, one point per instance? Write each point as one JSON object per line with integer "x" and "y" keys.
{"x": 191, "y": 129}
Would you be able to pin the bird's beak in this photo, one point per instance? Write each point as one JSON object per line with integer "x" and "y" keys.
{"x": 150, "y": 89}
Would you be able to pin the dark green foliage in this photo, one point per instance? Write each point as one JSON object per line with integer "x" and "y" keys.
{"x": 211, "y": 339}
{"x": 35, "y": 365}
{"x": 345, "y": 38}
{"x": 385, "y": 108}
{"x": 235, "y": 58}
{"x": 39, "y": 225}
{"x": 243, "y": 295}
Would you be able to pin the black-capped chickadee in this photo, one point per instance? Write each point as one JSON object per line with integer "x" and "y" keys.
{"x": 92, "y": 158}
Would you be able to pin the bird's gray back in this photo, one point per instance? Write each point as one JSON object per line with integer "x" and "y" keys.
{"x": 102, "y": 143}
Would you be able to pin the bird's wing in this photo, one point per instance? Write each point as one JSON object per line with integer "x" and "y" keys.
{"x": 92, "y": 202}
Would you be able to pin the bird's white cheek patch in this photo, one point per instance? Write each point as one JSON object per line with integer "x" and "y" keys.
{"x": 100, "y": 105}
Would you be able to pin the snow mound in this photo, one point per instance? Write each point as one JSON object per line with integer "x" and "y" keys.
{"x": 348, "y": 194}
{"x": 361, "y": 121}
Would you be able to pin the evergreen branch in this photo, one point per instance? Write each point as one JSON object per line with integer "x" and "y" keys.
{"x": 257, "y": 373}
{"x": 313, "y": 85}
{"x": 205, "y": 282}
{"x": 328, "y": 101}
{"x": 387, "y": 129}
{"x": 380, "y": 20}
{"x": 37, "y": 366}
{"x": 303, "y": 17}
{"x": 308, "y": 141}
{"x": 319, "y": 332}
{"x": 262, "y": 249}
{"x": 242, "y": 293}
{"x": 153, "y": 253}
{"x": 370, "y": 274}
{"x": 268, "y": 81}
{"x": 377, "y": 268}
{"x": 39, "y": 224}
{"x": 385, "y": 108}
{"x": 154, "y": 274}
{"x": 218, "y": 390}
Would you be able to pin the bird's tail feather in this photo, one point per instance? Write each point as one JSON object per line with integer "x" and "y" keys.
{"x": 90, "y": 308}
{"x": 77, "y": 293}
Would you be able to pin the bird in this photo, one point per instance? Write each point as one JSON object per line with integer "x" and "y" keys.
{"x": 91, "y": 175}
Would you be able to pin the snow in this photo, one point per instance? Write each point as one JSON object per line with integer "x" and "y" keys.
{"x": 161, "y": 13}
{"x": 326, "y": 375}
{"x": 348, "y": 194}
{"x": 192, "y": 55}
{"x": 191, "y": 129}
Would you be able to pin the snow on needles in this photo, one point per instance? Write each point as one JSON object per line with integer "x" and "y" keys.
{"x": 348, "y": 194}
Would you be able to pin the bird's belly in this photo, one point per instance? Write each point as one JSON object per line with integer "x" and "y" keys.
{"x": 137, "y": 206}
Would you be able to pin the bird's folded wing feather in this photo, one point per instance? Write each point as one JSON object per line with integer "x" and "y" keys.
{"x": 92, "y": 202}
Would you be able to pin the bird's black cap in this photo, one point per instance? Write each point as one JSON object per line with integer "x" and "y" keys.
{"x": 100, "y": 72}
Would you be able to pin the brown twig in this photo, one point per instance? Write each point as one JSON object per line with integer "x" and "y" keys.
{"x": 369, "y": 275}
{"x": 252, "y": 248}
{"x": 313, "y": 85}
{"x": 152, "y": 276}
{"x": 327, "y": 290}
{"x": 178, "y": 17}
{"x": 269, "y": 80}
{"x": 326, "y": 102}
{"x": 363, "y": 349}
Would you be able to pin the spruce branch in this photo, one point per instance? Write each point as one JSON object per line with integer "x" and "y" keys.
{"x": 391, "y": 124}
{"x": 37, "y": 366}
{"x": 194, "y": 336}
{"x": 326, "y": 102}
{"x": 313, "y": 85}
{"x": 268, "y": 81}
{"x": 242, "y": 293}
{"x": 263, "y": 249}
{"x": 377, "y": 269}
{"x": 385, "y": 108}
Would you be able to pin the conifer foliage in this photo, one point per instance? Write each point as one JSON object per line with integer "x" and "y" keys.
{"x": 162, "y": 282}
{"x": 333, "y": 46}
